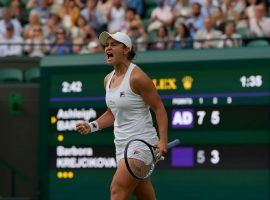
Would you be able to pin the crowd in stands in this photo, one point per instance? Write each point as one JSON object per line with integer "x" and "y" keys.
{"x": 52, "y": 27}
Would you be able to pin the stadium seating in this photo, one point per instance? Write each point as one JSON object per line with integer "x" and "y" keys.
{"x": 259, "y": 43}
{"x": 32, "y": 75}
{"x": 11, "y": 75}
{"x": 243, "y": 31}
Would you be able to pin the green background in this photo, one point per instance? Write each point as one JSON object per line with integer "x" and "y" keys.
{"x": 214, "y": 73}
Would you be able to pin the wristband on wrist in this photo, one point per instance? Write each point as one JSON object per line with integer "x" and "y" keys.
{"x": 94, "y": 126}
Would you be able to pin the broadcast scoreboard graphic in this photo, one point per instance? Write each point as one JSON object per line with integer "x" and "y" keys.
{"x": 220, "y": 115}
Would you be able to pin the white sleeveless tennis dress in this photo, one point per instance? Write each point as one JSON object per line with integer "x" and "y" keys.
{"x": 133, "y": 119}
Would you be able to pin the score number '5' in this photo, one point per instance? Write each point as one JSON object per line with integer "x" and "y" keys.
{"x": 215, "y": 118}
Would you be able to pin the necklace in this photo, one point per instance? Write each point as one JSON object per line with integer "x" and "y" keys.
{"x": 116, "y": 78}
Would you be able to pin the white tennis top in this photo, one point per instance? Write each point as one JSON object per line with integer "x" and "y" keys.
{"x": 132, "y": 115}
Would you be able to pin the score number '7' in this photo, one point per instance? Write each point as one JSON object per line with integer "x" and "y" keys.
{"x": 215, "y": 117}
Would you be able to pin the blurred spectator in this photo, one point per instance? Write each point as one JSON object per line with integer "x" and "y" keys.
{"x": 44, "y": 9}
{"x": 201, "y": 2}
{"x": 6, "y": 19}
{"x": 138, "y": 5}
{"x": 59, "y": 2}
{"x": 140, "y": 38}
{"x": 228, "y": 8}
{"x": 34, "y": 20}
{"x": 161, "y": 16}
{"x": 69, "y": 13}
{"x": 105, "y": 8}
{"x": 219, "y": 20}
{"x": 89, "y": 34}
{"x": 77, "y": 44}
{"x": 133, "y": 21}
{"x": 250, "y": 10}
{"x": 170, "y": 3}
{"x": 181, "y": 11}
{"x": 83, "y": 20}
{"x": 135, "y": 29}
{"x": 116, "y": 17}
{"x": 195, "y": 23}
{"x": 10, "y": 43}
{"x": 94, "y": 16}
{"x": 31, "y": 4}
{"x": 183, "y": 38}
{"x": 56, "y": 6}
{"x": 62, "y": 44}
{"x": 230, "y": 38}
{"x": 79, "y": 47}
{"x": 50, "y": 27}
{"x": 208, "y": 8}
{"x": 80, "y": 3}
{"x": 207, "y": 38}
{"x": 94, "y": 47}
{"x": 51, "y": 2}
{"x": 88, "y": 37}
{"x": 17, "y": 11}
{"x": 36, "y": 45}
{"x": 240, "y": 7}
{"x": 77, "y": 30}
{"x": 163, "y": 39}
{"x": 260, "y": 25}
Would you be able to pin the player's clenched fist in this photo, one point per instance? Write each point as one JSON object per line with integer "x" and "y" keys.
{"x": 83, "y": 128}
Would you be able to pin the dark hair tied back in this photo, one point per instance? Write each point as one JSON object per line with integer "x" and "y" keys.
{"x": 131, "y": 54}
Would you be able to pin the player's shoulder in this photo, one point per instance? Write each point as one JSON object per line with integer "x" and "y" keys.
{"x": 137, "y": 73}
{"x": 139, "y": 77}
{"x": 107, "y": 78}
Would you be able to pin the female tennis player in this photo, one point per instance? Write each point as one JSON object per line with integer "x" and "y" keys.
{"x": 129, "y": 95}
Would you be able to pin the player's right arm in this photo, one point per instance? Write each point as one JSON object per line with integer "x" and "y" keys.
{"x": 104, "y": 121}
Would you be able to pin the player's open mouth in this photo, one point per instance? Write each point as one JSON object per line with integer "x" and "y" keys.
{"x": 109, "y": 56}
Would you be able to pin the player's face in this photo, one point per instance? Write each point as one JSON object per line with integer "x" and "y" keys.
{"x": 115, "y": 52}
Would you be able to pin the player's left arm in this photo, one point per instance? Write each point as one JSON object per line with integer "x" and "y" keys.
{"x": 143, "y": 85}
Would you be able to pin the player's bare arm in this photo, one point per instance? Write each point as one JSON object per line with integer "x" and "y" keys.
{"x": 143, "y": 85}
{"x": 104, "y": 121}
